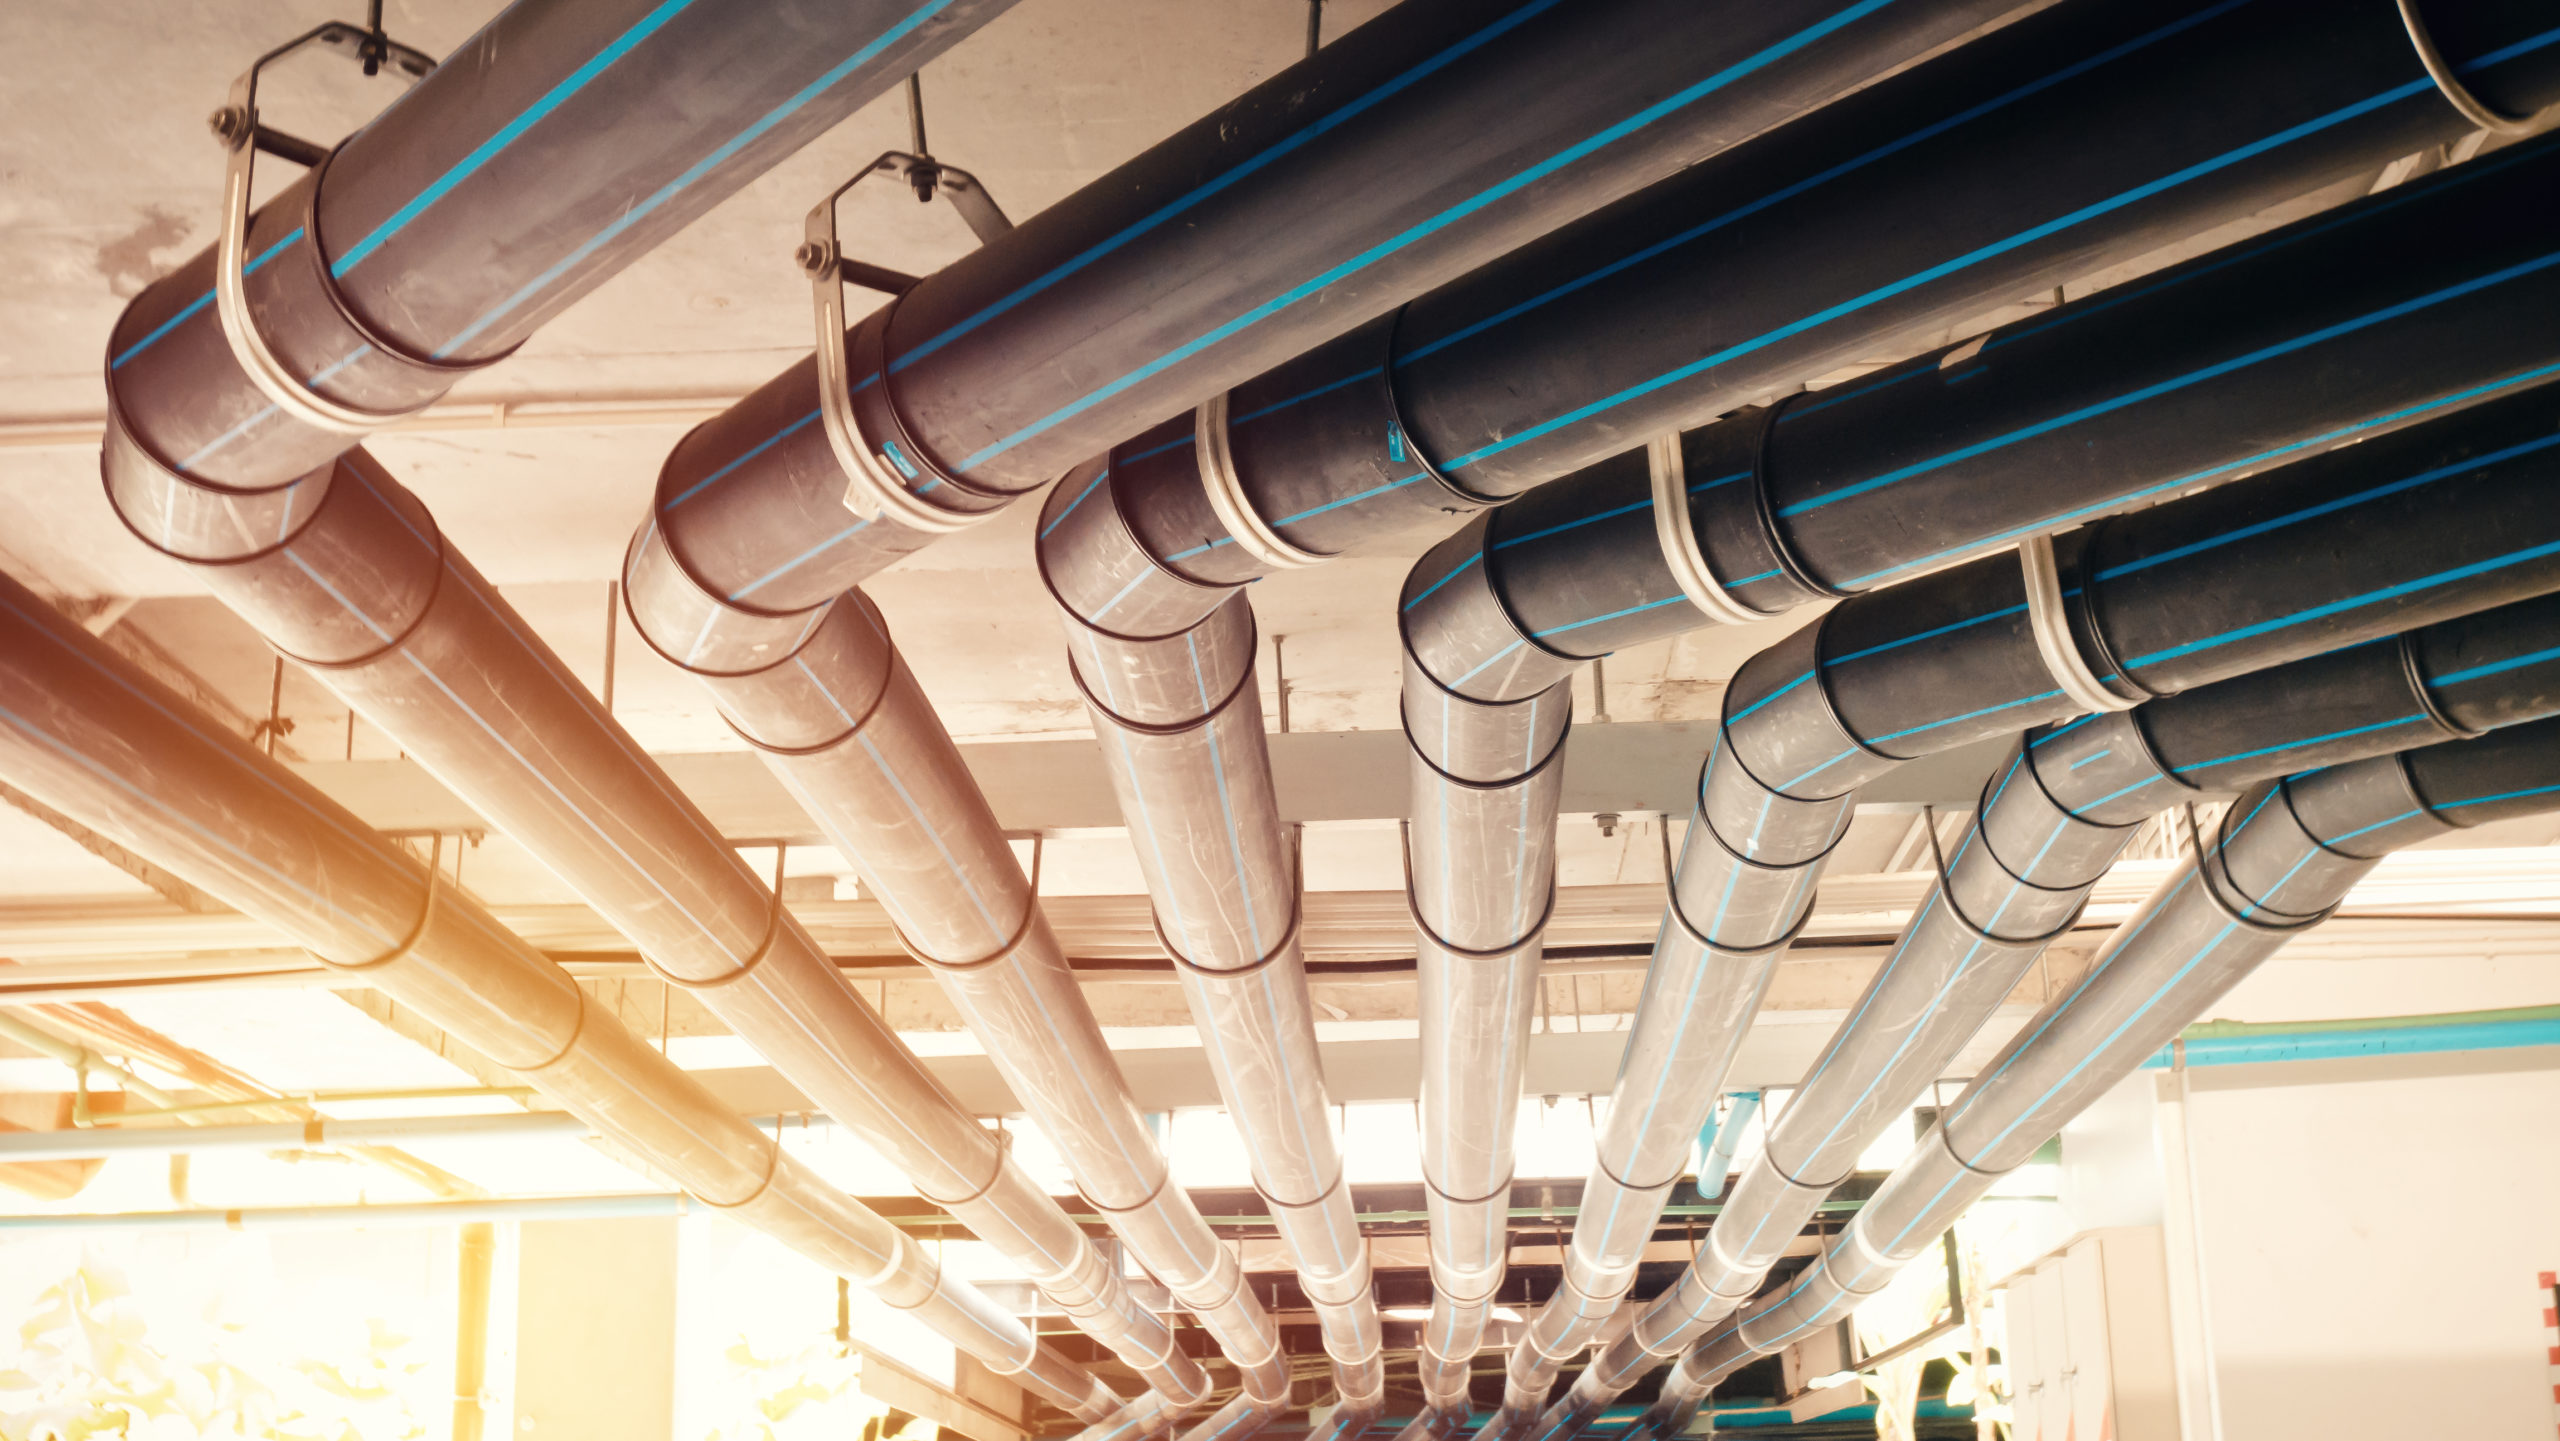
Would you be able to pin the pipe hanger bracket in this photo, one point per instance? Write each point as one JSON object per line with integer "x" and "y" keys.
{"x": 1680, "y": 549}
{"x": 875, "y": 478}
{"x": 236, "y": 126}
{"x": 2051, "y": 626}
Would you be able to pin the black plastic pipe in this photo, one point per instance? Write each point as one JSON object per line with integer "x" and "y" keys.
{"x": 2403, "y": 306}
{"x": 537, "y": 160}
{"x": 2403, "y": 531}
{"x": 2081, "y": 137}
{"x": 1423, "y": 143}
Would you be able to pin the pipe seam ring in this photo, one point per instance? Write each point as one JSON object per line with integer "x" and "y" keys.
{"x": 869, "y": 473}
{"x": 2425, "y": 695}
{"x": 2049, "y": 624}
{"x": 772, "y": 1168}
{"x": 774, "y": 917}
{"x": 417, "y": 930}
{"x": 1155, "y": 565}
{"x": 1501, "y": 607}
{"x": 1821, "y": 688}
{"x": 1984, "y": 804}
{"x": 1277, "y": 1205}
{"x": 1601, "y": 1164}
{"x": 2102, "y": 650}
{"x": 2135, "y": 722}
{"x": 1404, "y": 721}
{"x": 120, "y": 436}
{"x": 1412, "y": 447}
{"x": 889, "y": 662}
{"x": 713, "y": 600}
{"x": 1435, "y": 1188}
{"x": 1288, "y": 939}
{"x": 1225, "y": 491}
{"x": 1672, "y": 531}
{"x": 1779, "y": 550}
{"x": 1795, "y": 929}
{"x": 932, "y": 1280}
{"x": 2204, "y": 867}
{"x": 1163, "y": 730}
{"x": 1003, "y": 1148}
{"x": 258, "y": 363}
{"x": 1947, "y": 892}
{"x": 1413, "y": 908}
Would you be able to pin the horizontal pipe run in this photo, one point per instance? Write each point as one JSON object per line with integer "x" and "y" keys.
{"x": 1866, "y": 228}
{"x": 505, "y": 185}
{"x": 839, "y": 718}
{"x": 1390, "y": 161}
{"x": 389, "y": 1214}
{"x": 84, "y": 730}
{"x": 286, "y": 1136}
{"x": 2283, "y": 858}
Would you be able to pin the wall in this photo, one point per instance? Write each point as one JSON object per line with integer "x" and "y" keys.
{"x": 2369, "y": 1238}
{"x": 595, "y": 1328}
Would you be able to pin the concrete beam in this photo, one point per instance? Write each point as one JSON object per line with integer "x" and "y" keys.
{"x": 1632, "y": 767}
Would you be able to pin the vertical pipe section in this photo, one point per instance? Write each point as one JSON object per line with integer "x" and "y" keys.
{"x": 2285, "y": 855}
{"x": 831, "y": 705}
{"x": 87, "y": 732}
{"x": 345, "y": 571}
{"x": 475, "y": 1257}
{"x": 1167, "y": 672}
{"x": 1481, "y": 883}
{"x": 1721, "y": 1139}
{"x": 1392, "y": 160}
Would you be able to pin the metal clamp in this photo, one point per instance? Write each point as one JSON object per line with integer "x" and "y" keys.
{"x": 1226, "y": 494}
{"x": 1680, "y": 549}
{"x": 2457, "y": 94}
{"x": 236, "y": 126}
{"x": 2051, "y": 626}
{"x": 875, "y": 483}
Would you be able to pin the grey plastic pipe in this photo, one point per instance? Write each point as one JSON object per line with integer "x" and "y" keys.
{"x": 838, "y": 716}
{"x": 2285, "y": 855}
{"x": 344, "y": 571}
{"x": 1167, "y": 672}
{"x": 1486, "y": 777}
{"x": 86, "y": 731}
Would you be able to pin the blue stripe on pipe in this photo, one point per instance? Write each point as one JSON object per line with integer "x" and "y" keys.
{"x": 507, "y": 135}
{"x": 1194, "y": 197}
{"x": 1944, "y": 268}
{"x": 693, "y": 174}
{"x": 715, "y": 477}
{"x": 2335, "y": 735}
{"x": 1996, "y": 248}
{"x": 2498, "y": 667}
{"x": 2416, "y": 1039}
{"x": 2443, "y": 403}
{"x": 2353, "y": 602}
{"x": 1789, "y": 192}
{"x": 196, "y": 305}
{"x": 1560, "y": 160}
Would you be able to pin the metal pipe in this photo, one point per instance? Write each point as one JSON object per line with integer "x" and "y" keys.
{"x": 1864, "y": 229}
{"x": 1481, "y": 883}
{"x": 2345, "y": 547}
{"x": 506, "y": 185}
{"x": 2390, "y": 312}
{"x": 1181, "y": 722}
{"x": 2052, "y": 820}
{"x": 82, "y": 1144}
{"x": 2282, "y": 858}
{"x": 838, "y": 716}
{"x": 1390, "y": 161}
{"x": 475, "y": 1257}
{"x": 86, "y": 731}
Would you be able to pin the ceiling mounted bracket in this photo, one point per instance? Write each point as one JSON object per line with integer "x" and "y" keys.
{"x": 236, "y": 126}
{"x": 877, "y": 474}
